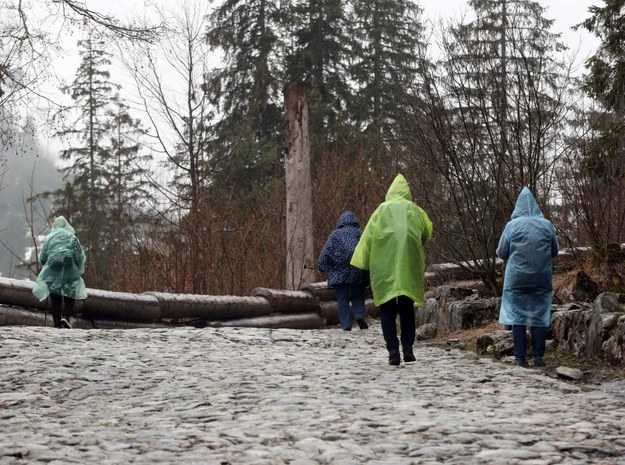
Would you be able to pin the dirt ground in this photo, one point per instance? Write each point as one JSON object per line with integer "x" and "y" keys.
{"x": 596, "y": 370}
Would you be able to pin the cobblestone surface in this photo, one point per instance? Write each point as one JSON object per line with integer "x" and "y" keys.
{"x": 261, "y": 396}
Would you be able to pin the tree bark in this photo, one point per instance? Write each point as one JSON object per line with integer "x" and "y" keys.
{"x": 299, "y": 222}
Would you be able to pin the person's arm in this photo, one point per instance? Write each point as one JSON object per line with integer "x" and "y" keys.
{"x": 79, "y": 256}
{"x": 325, "y": 262}
{"x": 362, "y": 252}
{"x": 43, "y": 254}
{"x": 426, "y": 234}
{"x": 555, "y": 246}
{"x": 503, "y": 249}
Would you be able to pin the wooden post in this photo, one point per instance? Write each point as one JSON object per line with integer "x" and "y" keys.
{"x": 300, "y": 258}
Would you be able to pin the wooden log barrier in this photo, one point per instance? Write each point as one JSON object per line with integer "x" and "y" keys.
{"x": 330, "y": 311}
{"x": 124, "y": 306}
{"x": 11, "y": 316}
{"x": 210, "y": 307}
{"x": 19, "y": 292}
{"x": 113, "y": 324}
{"x": 288, "y": 301}
{"x": 299, "y": 321}
{"x": 320, "y": 290}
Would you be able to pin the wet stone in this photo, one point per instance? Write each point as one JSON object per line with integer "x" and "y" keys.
{"x": 271, "y": 396}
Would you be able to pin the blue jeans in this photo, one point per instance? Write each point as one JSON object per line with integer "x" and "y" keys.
{"x": 345, "y": 294}
{"x": 404, "y": 306}
{"x": 539, "y": 335}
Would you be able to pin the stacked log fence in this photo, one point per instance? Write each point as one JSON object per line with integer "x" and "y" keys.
{"x": 312, "y": 307}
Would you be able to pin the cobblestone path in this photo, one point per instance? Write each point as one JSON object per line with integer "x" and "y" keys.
{"x": 260, "y": 396}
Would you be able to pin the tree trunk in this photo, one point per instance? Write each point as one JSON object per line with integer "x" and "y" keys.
{"x": 299, "y": 233}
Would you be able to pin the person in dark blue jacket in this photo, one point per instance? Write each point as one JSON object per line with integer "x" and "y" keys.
{"x": 348, "y": 281}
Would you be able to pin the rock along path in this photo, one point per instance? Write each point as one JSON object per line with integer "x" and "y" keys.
{"x": 260, "y": 396}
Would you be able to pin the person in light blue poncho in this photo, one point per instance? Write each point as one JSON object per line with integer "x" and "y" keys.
{"x": 528, "y": 244}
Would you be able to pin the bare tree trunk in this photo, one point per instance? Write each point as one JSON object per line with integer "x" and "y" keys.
{"x": 299, "y": 217}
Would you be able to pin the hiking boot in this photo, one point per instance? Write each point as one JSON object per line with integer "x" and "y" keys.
{"x": 539, "y": 362}
{"x": 65, "y": 324}
{"x": 520, "y": 362}
{"x": 408, "y": 354}
{"x": 362, "y": 324}
{"x": 347, "y": 329}
{"x": 393, "y": 357}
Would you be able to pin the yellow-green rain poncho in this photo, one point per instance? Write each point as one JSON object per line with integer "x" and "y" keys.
{"x": 391, "y": 246}
{"x": 63, "y": 261}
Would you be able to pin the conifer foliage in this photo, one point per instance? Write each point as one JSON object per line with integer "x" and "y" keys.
{"x": 103, "y": 169}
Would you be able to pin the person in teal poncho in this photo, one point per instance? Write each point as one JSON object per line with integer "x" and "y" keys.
{"x": 391, "y": 248}
{"x": 528, "y": 244}
{"x": 63, "y": 262}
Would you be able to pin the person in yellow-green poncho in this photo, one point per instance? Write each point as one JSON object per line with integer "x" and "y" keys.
{"x": 391, "y": 248}
{"x": 63, "y": 261}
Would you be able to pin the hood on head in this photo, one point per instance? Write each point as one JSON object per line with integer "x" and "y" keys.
{"x": 60, "y": 223}
{"x": 347, "y": 218}
{"x": 399, "y": 189}
{"x": 526, "y": 205}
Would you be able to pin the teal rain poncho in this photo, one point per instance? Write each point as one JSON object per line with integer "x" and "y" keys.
{"x": 528, "y": 244}
{"x": 63, "y": 261}
{"x": 391, "y": 246}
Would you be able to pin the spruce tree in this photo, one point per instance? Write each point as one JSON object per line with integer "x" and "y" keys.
{"x": 248, "y": 92}
{"x": 318, "y": 56}
{"x": 103, "y": 172}
{"x": 88, "y": 154}
{"x": 496, "y": 113}
{"x": 386, "y": 50}
{"x": 599, "y": 168}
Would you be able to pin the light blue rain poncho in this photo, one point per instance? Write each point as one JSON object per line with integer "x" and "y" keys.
{"x": 63, "y": 261}
{"x": 528, "y": 244}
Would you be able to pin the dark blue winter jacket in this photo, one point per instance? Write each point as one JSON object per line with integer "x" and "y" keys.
{"x": 338, "y": 250}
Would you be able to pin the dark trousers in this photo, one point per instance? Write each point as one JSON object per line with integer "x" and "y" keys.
{"x": 404, "y": 307}
{"x": 350, "y": 293}
{"x": 57, "y": 309}
{"x": 539, "y": 335}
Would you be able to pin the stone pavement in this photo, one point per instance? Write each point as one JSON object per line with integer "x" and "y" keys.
{"x": 259, "y": 396}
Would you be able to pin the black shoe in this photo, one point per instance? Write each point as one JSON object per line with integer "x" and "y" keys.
{"x": 520, "y": 362}
{"x": 347, "y": 329}
{"x": 408, "y": 354}
{"x": 539, "y": 362}
{"x": 362, "y": 324}
{"x": 65, "y": 324}
{"x": 393, "y": 358}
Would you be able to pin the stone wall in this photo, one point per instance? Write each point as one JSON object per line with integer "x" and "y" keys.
{"x": 595, "y": 329}
{"x": 591, "y": 330}
{"x": 454, "y": 309}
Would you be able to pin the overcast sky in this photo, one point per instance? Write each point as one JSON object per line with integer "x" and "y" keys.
{"x": 566, "y": 14}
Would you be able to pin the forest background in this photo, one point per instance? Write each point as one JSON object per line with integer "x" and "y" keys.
{"x": 181, "y": 188}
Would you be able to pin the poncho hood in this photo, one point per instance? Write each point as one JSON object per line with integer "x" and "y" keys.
{"x": 526, "y": 205}
{"x": 399, "y": 189}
